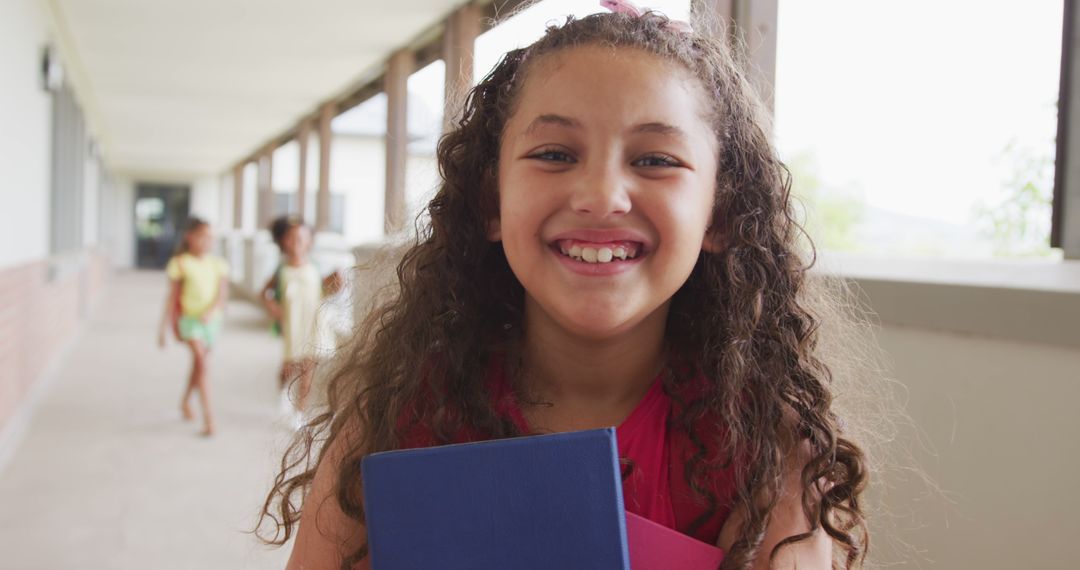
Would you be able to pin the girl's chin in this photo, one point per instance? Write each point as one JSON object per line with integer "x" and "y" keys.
{"x": 597, "y": 331}
{"x": 593, "y": 317}
{"x": 597, "y": 324}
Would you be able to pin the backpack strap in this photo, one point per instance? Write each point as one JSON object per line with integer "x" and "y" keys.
{"x": 279, "y": 291}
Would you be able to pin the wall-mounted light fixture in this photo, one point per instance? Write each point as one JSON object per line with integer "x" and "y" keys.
{"x": 52, "y": 73}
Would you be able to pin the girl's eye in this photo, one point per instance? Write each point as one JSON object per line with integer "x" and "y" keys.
{"x": 552, "y": 155}
{"x": 656, "y": 160}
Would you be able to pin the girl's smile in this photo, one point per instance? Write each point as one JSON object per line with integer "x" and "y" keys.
{"x": 600, "y": 252}
{"x": 607, "y": 173}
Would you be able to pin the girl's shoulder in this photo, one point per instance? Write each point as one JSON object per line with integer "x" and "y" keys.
{"x": 175, "y": 266}
{"x": 185, "y": 263}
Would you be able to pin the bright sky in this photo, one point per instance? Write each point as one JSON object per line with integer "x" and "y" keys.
{"x": 527, "y": 27}
{"x": 914, "y": 101}
{"x": 520, "y": 31}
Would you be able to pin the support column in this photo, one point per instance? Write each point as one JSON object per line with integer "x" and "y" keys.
{"x": 266, "y": 189}
{"x": 459, "y": 40}
{"x": 398, "y": 69}
{"x": 238, "y": 196}
{"x": 224, "y": 202}
{"x": 749, "y": 25}
{"x": 302, "y": 136}
{"x": 322, "y": 197}
{"x": 1065, "y": 218}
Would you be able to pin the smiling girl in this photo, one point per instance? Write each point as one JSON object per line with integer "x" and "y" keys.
{"x": 613, "y": 245}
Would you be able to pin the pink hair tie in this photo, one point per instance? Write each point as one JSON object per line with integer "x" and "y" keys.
{"x": 628, "y": 8}
{"x": 621, "y": 7}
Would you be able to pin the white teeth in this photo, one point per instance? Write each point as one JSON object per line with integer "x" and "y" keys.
{"x": 598, "y": 254}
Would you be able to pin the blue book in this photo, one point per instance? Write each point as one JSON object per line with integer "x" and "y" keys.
{"x": 538, "y": 502}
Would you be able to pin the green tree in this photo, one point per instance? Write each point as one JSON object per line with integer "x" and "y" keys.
{"x": 1018, "y": 222}
{"x": 832, "y": 213}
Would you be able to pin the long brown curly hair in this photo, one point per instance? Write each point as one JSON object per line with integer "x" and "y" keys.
{"x": 741, "y": 318}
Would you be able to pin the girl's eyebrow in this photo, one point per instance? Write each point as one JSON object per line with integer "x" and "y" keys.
{"x": 566, "y": 122}
{"x": 551, "y": 119}
{"x": 659, "y": 129}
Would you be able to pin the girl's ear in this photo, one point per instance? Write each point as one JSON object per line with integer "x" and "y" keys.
{"x": 714, "y": 240}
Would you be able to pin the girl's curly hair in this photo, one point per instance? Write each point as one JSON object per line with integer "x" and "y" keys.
{"x": 741, "y": 319}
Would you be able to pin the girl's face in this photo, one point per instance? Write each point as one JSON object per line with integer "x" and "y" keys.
{"x": 296, "y": 241}
{"x": 607, "y": 172}
{"x": 200, "y": 240}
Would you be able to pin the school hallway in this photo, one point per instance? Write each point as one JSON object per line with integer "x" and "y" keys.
{"x": 108, "y": 476}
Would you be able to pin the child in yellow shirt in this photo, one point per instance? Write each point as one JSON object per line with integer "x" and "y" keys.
{"x": 198, "y": 289}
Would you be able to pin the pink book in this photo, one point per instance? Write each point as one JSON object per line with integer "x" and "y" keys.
{"x": 656, "y": 547}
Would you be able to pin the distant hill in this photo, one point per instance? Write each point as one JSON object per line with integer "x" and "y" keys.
{"x": 888, "y": 232}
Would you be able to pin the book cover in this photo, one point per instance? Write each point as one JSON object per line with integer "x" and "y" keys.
{"x": 656, "y": 547}
{"x": 538, "y": 502}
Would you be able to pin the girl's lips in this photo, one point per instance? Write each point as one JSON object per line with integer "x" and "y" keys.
{"x": 600, "y": 252}
{"x": 595, "y": 269}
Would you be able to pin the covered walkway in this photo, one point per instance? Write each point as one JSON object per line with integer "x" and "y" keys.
{"x": 124, "y": 118}
{"x": 107, "y": 471}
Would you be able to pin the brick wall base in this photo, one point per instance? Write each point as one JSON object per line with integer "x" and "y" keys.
{"x": 41, "y": 306}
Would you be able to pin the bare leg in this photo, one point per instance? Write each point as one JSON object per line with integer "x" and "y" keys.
{"x": 185, "y": 402}
{"x": 198, "y": 351}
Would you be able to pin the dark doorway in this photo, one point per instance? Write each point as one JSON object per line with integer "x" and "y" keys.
{"x": 160, "y": 214}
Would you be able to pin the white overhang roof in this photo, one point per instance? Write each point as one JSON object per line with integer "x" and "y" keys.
{"x": 183, "y": 89}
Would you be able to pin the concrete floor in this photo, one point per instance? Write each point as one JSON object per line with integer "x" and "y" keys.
{"x": 108, "y": 476}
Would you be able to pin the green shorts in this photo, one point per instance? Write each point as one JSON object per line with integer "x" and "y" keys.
{"x": 193, "y": 328}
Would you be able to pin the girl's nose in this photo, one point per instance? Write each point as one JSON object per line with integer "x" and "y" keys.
{"x": 602, "y": 191}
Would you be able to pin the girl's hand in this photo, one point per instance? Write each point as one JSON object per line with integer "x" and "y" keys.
{"x": 333, "y": 283}
{"x": 274, "y": 308}
{"x": 161, "y": 338}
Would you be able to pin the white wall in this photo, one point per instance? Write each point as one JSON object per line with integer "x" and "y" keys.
{"x": 118, "y": 233}
{"x": 421, "y": 182}
{"x": 25, "y": 134}
{"x": 287, "y": 172}
{"x": 287, "y": 167}
{"x": 225, "y": 203}
{"x": 251, "y": 195}
{"x": 358, "y": 170}
{"x": 206, "y": 202}
{"x": 92, "y": 200}
{"x": 1001, "y": 438}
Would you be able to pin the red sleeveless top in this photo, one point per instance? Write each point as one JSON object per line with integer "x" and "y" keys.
{"x": 654, "y": 459}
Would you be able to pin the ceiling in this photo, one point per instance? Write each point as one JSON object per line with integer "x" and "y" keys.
{"x": 183, "y": 89}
